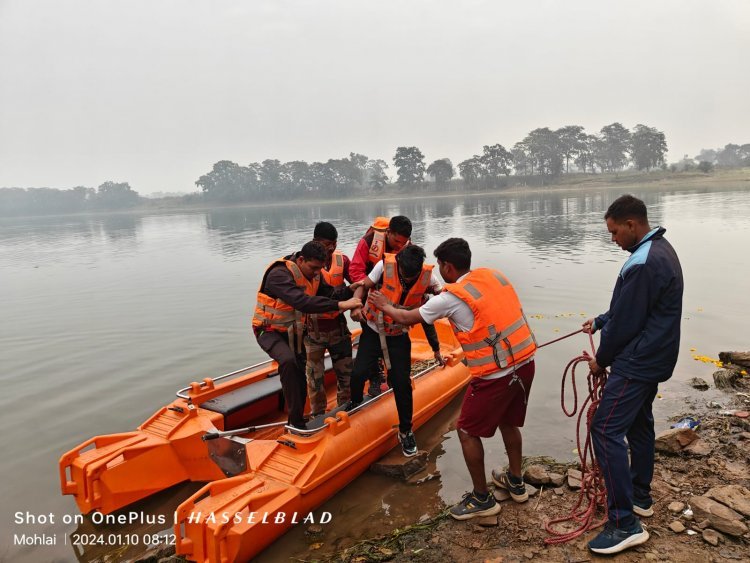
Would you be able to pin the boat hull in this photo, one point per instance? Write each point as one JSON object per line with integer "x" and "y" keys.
{"x": 269, "y": 469}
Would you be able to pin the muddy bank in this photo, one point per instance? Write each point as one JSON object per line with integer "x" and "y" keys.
{"x": 701, "y": 492}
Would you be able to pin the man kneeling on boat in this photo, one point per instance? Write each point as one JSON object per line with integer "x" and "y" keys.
{"x": 405, "y": 280}
{"x": 499, "y": 347}
{"x": 290, "y": 289}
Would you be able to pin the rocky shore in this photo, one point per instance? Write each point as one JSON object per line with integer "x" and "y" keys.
{"x": 701, "y": 492}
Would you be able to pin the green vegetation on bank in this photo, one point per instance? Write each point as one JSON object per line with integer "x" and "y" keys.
{"x": 566, "y": 157}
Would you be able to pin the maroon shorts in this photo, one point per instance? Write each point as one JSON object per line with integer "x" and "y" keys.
{"x": 491, "y": 403}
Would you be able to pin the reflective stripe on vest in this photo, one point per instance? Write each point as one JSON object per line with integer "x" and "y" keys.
{"x": 333, "y": 276}
{"x": 377, "y": 247}
{"x": 393, "y": 291}
{"x": 501, "y": 336}
{"x": 275, "y": 315}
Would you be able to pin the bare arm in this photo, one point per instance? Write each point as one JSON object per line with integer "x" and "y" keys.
{"x": 361, "y": 286}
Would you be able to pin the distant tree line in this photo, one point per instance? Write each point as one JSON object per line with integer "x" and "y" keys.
{"x": 272, "y": 180}
{"x": 544, "y": 152}
{"x": 109, "y": 196}
{"x": 541, "y": 157}
{"x": 731, "y": 156}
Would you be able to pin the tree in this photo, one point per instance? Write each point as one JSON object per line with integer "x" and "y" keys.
{"x": 705, "y": 166}
{"x": 572, "y": 140}
{"x": 543, "y": 147}
{"x": 521, "y": 162}
{"x": 410, "y": 167}
{"x": 228, "y": 182}
{"x": 745, "y": 155}
{"x": 116, "y": 195}
{"x": 585, "y": 159}
{"x": 271, "y": 176}
{"x": 348, "y": 174}
{"x": 709, "y": 155}
{"x": 297, "y": 176}
{"x": 495, "y": 161}
{"x": 359, "y": 162}
{"x": 442, "y": 171}
{"x": 376, "y": 175}
{"x": 648, "y": 147}
{"x": 471, "y": 171}
{"x": 616, "y": 146}
{"x": 734, "y": 155}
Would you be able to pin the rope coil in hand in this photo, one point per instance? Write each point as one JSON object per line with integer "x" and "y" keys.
{"x": 593, "y": 495}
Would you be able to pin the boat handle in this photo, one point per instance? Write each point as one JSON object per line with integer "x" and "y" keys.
{"x": 182, "y": 393}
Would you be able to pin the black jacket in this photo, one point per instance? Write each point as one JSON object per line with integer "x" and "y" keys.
{"x": 640, "y": 334}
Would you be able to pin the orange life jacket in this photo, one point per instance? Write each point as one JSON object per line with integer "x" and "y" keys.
{"x": 393, "y": 290}
{"x": 501, "y": 336}
{"x": 334, "y": 276}
{"x": 275, "y": 315}
{"x": 377, "y": 246}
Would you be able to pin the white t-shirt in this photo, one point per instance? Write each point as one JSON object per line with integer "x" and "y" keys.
{"x": 449, "y": 306}
{"x": 460, "y": 314}
{"x": 377, "y": 273}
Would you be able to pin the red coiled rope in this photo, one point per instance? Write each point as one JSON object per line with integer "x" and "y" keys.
{"x": 593, "y": 493}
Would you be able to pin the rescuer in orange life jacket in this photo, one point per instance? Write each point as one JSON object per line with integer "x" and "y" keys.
{"x": 328, "y": 331}
{"x": 290, "y": 289}
{"x": 384, "y": 235}
{"x": 404, "y": 279}
{"x": 499, "y": 347}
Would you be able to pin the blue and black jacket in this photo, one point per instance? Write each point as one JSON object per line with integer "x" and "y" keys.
{"x": 640, "y": 334}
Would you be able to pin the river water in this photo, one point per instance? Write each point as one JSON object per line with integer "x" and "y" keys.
{"x": 104, "y": 317}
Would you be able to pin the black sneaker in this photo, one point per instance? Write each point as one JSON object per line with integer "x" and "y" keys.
{"x": 614, "y": 540}
{"x": 643, "y": 509}
{"x": 471, "y": 506}
{"x": 514, "y": 485}
{"x": 408, "y": 443}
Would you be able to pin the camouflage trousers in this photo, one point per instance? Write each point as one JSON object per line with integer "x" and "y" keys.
{"x": 339, "y": 343}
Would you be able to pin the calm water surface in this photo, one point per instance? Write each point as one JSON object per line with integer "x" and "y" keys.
{"x": 104, "y": 317}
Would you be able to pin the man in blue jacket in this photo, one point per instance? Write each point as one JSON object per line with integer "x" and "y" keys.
{"x": 639, "y": 343}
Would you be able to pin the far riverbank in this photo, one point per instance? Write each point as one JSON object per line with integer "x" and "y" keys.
{"x": 622, "y": 181}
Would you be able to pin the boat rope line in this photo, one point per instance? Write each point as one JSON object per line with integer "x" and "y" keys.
{"x": 590, "y": 510}
{"x": 559, "y": 339}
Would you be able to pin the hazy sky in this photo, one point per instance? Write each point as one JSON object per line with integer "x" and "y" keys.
{"x": 154, "y": 92}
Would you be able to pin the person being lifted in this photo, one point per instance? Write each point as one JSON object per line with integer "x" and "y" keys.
{"x": 488, "y": 321}
{"x": 290, "y": 289}
{"x": 328, "y": 331}
{"x": 382, "y": 236}
{"x": 405, "y": 280}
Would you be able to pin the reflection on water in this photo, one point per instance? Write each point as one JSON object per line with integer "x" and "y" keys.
{"x": 104, "y": 317}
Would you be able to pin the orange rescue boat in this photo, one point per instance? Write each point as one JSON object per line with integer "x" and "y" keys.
{"x": 261, "y": 475}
